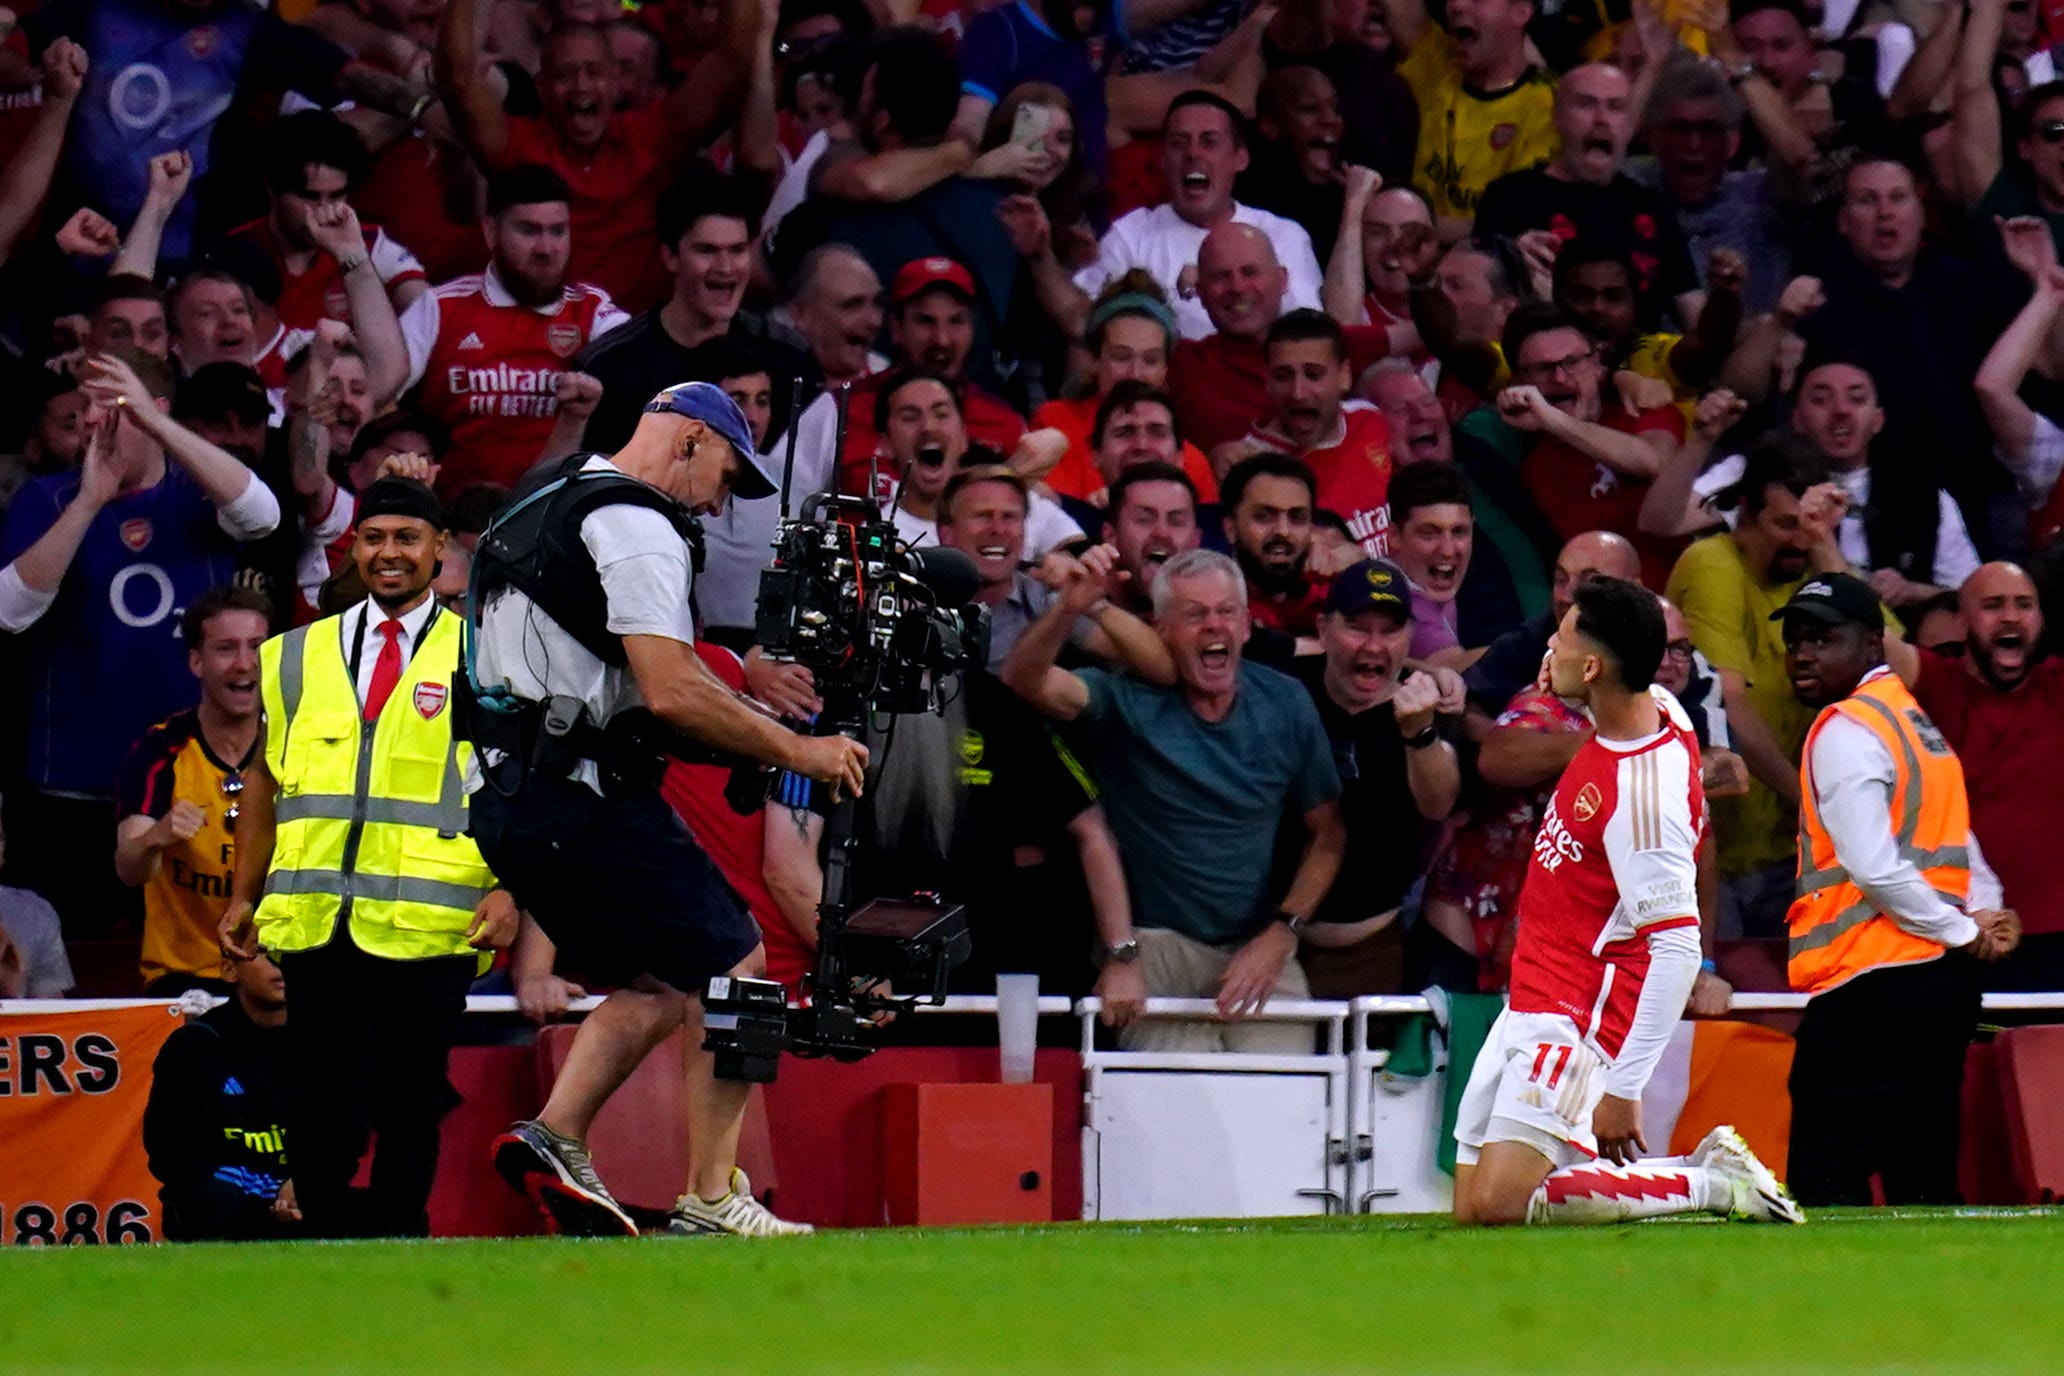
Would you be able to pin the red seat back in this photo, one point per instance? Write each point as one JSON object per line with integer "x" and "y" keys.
{"x": 2031, "y": 1067}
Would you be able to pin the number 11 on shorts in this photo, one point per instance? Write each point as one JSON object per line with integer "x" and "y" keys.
{"x": 1542, "y": 1052}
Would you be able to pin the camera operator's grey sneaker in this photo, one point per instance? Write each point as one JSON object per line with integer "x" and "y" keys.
{"x": 737, "y": 1214}
{"x": 558, "y": 1177}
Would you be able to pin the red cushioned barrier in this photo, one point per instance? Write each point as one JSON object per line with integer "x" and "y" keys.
{"x": 2031, "y": 1069}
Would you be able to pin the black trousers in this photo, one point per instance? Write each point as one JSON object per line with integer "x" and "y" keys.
{"x": 368, "y": 1041}
{"x": 1877, "y": 1084}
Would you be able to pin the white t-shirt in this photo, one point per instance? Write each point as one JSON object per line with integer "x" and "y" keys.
{"x": 646, "y": 578}
{"x": 1165, "y": 244}
{"x": 1047, "y": 527}
{"x": 1955, "y": 557}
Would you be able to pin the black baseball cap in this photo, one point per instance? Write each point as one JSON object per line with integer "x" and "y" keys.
{"x": 220, "y": 389}
{"x": 1835, "y": 599}
{"x": 1373, "y": 585}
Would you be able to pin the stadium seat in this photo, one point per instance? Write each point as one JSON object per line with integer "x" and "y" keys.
{"x": 640, "y": 1139}
{"x": 2031, "y": 1066}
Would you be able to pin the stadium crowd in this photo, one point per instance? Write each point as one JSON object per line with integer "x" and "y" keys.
{"x": 1282, "y": 368}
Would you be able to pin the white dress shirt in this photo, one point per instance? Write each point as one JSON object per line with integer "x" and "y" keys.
{"x": 1852, "y": 773}
{"x": 357, "y": 629}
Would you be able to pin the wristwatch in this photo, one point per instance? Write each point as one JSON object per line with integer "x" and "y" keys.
{"x": 1125, "y": 952}
{"x": 1740, "y": 72}
{"x": 1297, "y": 925}
{"x": 1422, "y": 739}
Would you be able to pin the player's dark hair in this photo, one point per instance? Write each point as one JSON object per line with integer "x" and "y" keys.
{"x": 1425, "y": 484}
{"x": 699, "y": 193}
{"x": 127, "y": 286}
{"x": 2037, "y": 97}
{"x": 1816, "y": 359}
{"x": 916, "y": 84}
{"x": 1534, "y": 318}
{"x": 1211, "y": 100}
{"x": 1307, "y": 326}
{"x": 1584, "y": 253}
{"x": 1232, "y": 488}
{"x": 225, "y": 597}
{"x": 1739, "y": 10}
{"x": 1126, "y": 394}
{"x": 725, "y": 357}
{"x": 314, "y": 137}
{"x": 1325, "y": 519}
{"x": 1626, "y": 621}
{"x": 380, "y": 429}
{"x": 1779, "y": 459}
{"x": 897, "y": 381}
{"x": 1138, "y": 473}
{"x": 854, "y": 18}
{"x": 527, "y": 183}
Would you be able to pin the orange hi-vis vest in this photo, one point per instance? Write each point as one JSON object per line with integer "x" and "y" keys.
{"x": 1836, "y": 932}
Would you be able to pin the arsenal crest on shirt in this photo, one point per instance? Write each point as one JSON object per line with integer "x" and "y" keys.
{"x": 565, "y": 340}
{"x": 136, "y": 534}
{"x": 430, "y": 700}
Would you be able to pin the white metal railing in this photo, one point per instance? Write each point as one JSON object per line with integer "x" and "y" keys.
{"x": 1055, "y": 1005}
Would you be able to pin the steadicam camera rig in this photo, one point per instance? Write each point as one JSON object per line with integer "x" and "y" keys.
{"x": 885, "y": 631}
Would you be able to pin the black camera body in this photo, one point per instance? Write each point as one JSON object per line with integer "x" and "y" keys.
{"x": 884, "y": 630}
{"x": 882, "y": 627}
{"x": 910, "y": 944}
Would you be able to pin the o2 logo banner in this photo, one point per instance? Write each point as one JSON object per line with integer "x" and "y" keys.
{"x": 73, "y": 1086}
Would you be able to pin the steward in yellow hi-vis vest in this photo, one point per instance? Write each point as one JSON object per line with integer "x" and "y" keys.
{"x": 354, "y": 870}
{"x": 1894, "y": 899}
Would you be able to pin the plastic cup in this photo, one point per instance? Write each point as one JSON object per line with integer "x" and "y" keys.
{"x": 1017, "y": 1025}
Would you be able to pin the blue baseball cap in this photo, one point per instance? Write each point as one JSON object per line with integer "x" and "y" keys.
{"x": 710, "y": 404}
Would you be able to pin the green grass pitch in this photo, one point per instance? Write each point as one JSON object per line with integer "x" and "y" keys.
{"x": 1933, "y": 1292}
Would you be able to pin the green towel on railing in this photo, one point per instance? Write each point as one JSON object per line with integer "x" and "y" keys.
{"x": 1414, "y": 1052}
{"x": 1469, "y": 1024}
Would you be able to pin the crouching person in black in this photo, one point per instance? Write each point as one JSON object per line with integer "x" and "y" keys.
{"x": 584, "y": 669}
{"x": 213, "y": 1128}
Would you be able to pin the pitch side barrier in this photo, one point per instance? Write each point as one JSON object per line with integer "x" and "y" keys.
{"x": 1349, "y": 1127}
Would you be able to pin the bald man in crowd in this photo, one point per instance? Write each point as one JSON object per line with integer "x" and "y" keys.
{"x": 1220, "y": 382}
{"x": 1514, "y": 659}
{"x": 2001, "y": 708}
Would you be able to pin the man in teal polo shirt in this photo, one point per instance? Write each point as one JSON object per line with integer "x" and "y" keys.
{"x": 1196, "y": 780}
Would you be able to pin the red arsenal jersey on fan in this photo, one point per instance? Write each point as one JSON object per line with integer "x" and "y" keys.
{"x": 1353, "y": 472}
{"x": 616, "y": 189}
{"x": 1578, "y": 493}
{"x": 489, "y": 369}
{"x": 1613, "y": 861}
{"x": 318, "y": 294}
{"x": 1220, "y": 383}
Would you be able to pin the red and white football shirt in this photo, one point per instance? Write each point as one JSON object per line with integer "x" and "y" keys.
{"x": 489, "y": 368}
{"x": 1613, "y": 861}
{"x": 1353, "y": 472}
{"x": 318, "y": 294}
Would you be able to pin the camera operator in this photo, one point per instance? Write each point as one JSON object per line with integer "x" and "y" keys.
{"x": 585, "y": 655}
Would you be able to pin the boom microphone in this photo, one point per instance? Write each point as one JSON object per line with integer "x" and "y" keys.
{"x": 948, "y": 573}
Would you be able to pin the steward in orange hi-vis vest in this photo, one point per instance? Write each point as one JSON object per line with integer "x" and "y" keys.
{"x": 1894, "y": 901}
{"x": 1837, "y": 932}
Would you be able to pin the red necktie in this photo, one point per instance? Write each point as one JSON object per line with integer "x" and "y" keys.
{"x": 386, "y": 670}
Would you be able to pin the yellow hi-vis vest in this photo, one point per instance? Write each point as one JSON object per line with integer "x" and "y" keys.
{"x": 371, "y": 818}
